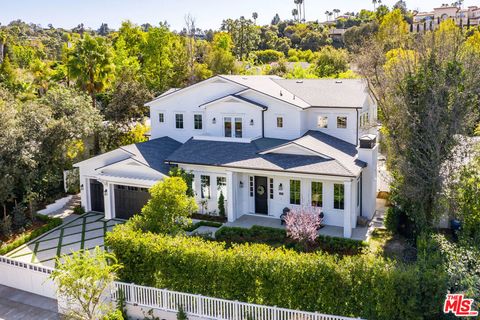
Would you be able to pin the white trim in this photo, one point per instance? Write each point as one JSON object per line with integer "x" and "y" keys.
{"x": 228, "y": 97}
{"x": 296, "y": 145}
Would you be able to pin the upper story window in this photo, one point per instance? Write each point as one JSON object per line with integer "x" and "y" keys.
{"x": 279, "y": 122}
{"x": 341, "y": 122}
{"x": 322, "y": 122}
{"x": 364, "y": 119}
{"x": 295, "y": 192}
{"x": 233, "y": 127}
{"x": 179, "y": 121}
{"x": 161, "y": 117}
{"x": 317, "y": 194}
{"x": 197, "y": 122}
{"x": 338, "y": 196}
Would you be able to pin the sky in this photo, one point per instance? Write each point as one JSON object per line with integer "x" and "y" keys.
{"x": 208, "y": 14}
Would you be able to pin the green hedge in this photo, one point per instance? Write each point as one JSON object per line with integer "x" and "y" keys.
{"x": 278, "y": 237}
{"x": 50, "y": 223}
{"x": 362, "y": 286}
{"x": 203, "y": 224}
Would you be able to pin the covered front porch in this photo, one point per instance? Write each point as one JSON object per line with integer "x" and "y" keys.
{"x": 249, "y": 220}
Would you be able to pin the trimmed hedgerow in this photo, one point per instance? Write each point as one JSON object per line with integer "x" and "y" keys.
{"x": 278, "y": 237}
{"x": 364, "y": 286}
{"x": 50, "y": 223}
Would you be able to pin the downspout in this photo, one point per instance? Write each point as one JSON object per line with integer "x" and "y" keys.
{"x": 263, "y": 122}
{"x": 357, "y": 127}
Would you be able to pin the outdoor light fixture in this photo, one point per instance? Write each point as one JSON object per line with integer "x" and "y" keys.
{"x": 280, "y": 187}
{"x": 105, "y": 192}
{"x": 241, "y": 184}
{"x": 81, "y": 186}
{"x": 214, "y": 121}
{"x": 251, "y": 122}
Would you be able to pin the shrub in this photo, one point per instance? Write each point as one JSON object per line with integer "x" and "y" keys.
{"x": 78, "y": 210}
{"x": 51, "y": 223}
{"x": 181, "y": 315}
{"x": 363, "y": 286}
{"x": 6, "y": 226}
{"x": 114, "y": 315}
{"x": 221, "y": 204}
{"x": 19, "y": 218}
{"x": 268, "y": 56}
{"x": 208, "y": 217}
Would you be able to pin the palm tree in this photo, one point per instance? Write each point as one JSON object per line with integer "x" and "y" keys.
{"x": 374, "y": 4}
{"x": 327, "y": 13}
{"x": 336, "y": 12}
{"x": 330, "y": 14}
{"x": 301, "y": 11}
{"x": 255, "y": 16}
{"x": 295, "y": 14}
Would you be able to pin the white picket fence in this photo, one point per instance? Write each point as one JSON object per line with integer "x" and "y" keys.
{"x": 207, "y": 307}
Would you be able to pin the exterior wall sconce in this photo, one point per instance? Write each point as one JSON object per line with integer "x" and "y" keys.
{"x": 81, "y": 186}
{"x": 241, "y": 184}
{"x": 214, "y": 120}
{"x": 251, "y": 122}
{"x": 280, "y": 187}
{"x": 105, "y": 192}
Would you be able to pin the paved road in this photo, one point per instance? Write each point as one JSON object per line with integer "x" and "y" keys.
{"x": 21, "y": 305}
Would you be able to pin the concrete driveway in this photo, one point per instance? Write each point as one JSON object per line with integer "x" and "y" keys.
{"x": 85, "y": 232}
{"x": 21, "y": 305}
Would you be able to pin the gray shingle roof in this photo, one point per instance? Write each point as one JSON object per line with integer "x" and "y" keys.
{"x": 154, "y": 152}
{"x": 346, "y": 93}
{"x": 340, "y": 161}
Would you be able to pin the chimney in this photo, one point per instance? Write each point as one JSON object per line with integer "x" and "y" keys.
{"x": 368, "y": 153}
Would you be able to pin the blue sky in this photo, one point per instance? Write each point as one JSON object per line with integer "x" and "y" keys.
{"x": 208, "y": 13}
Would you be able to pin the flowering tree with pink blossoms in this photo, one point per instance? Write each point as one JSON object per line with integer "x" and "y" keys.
{"x": 302, "y": 225}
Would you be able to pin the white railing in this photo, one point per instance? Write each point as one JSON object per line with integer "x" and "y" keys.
{"x": 207, "y": 307}
{"x": 25, "y": 265}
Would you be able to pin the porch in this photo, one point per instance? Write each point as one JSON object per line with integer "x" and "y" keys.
{"x": 249, "y": 220}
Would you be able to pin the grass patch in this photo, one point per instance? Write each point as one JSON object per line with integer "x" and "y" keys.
{"x": 384, "y": 243}
{"x": 199, "y": 224}
{"x": 278, "y": 238}
{"x": 37, "y": 230}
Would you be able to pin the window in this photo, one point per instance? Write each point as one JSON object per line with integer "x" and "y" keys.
{"x": 322, "y": 122}
{"x": 341, "y": 122}
{"x": 338, "y": 196}
{"x": 279, "y": 122}
{"x": 294, "y": 191}
{"x": 205, "y": 187}
{"x": 222, "y": 186}
{"x": 234, "y": 129}
{"x": 317, "y": 194}
{"x": 271, "y": 188}
{"x": 179, "y": 121}
{"x": 161, "y": 118}
{"x": 228, "y": 126}
{"x": 251, "y": 186}
{"x": 238, "y": 127}
{"x": 197, "y": 122}
{"x": 364, "y": 121}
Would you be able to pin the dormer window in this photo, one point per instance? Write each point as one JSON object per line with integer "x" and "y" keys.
{"x": 279, "y": 122}
{"x": 322, "y": 122}
{"x": 341, "y": 122}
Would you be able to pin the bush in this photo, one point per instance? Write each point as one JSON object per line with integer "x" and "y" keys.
{"x": 362, "y": 286}
{"x": 51, "y": 223}
{"x": 207, "y": 217}
{"x": 194, "y": 226}
{"x": 114, "y": 315}
{"x": 221, "y": 204}
{"x": 78, "y": 210}
{"x": 268, "y": 56}
{"x": 6, "y": 226}
{"x": 19, "y": 218}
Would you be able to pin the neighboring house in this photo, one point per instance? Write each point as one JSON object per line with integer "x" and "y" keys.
{"x": 430, "y": 20}
{"x": 265, "y": 142}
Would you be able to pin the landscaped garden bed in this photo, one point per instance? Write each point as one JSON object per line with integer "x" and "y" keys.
{"x": 278, "y": 238}
{"x": 41, "y": 225}
{"x": 208, "y": 217}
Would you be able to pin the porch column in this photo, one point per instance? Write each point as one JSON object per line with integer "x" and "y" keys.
{"x": 107, "y": 194}
{"x": 85, "y": 193}
{"x": 230, "y": 197}
{"x": 347, "y": 212}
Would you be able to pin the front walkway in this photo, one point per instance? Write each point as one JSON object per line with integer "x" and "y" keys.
{"x": 83, "y": 232}
{"x": 247, "y": 221}
{"x": 20, "y": 305}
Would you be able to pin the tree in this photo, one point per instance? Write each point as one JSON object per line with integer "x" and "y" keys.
{"x": 221, "y": 60}
{"x": 244, "y": 35}
{"x": 302, "y": 225}
{"x": 331, "y": 62}
{"x": 103, "y": 30}
{"x": 336, "y": 12}
{"x": 276, "y": 19}
{"x": 255, "y": 17}
{"x": 221, "y": 204}
{"x": 83, "y": 280}
{"x": 295, "y": 14}
{"x": 169, "y": 208}
{"x": 393, "y": 30}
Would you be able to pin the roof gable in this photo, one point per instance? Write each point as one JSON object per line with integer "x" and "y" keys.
{"x": 235, "y": 99}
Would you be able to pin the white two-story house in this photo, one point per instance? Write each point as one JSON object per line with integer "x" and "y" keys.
{"x": 265, "y": 142}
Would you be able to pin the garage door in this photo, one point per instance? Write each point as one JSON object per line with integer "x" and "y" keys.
{"x": 97, "y": 200}
{"x": 129, "y": 200}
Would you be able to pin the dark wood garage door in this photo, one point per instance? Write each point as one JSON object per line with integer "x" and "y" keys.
{"x": 129, "y": 201}
{"x": 96, "y": 196}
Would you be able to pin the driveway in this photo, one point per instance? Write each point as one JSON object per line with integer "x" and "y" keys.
{"x": 20, "y": 305}
{"x": 85, "y": 232}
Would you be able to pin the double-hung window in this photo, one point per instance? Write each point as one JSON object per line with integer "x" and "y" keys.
{"x": 295, "y": 192}
{"x": 161, "y": 117}
{"x": 341, "y": 122}
{"x": 279, "y": 122}
{"x": 179, "y": 120}
{"x": 338, "y": 196}
{"x": 197, "y": 122}
{"x": 322, "y": 122}
{"x": 317, "y": 194}
{"x": 222, "y": 186}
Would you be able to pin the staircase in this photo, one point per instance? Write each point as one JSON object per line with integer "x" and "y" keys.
{"x": 67, "y": 209}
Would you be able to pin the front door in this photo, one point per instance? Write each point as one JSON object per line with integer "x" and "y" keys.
{"x": 261, "y": 204}
{"x": 96, "y": 196}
